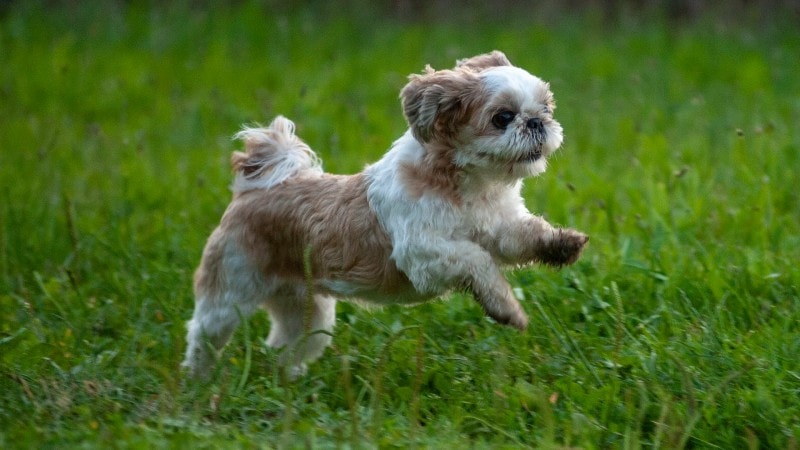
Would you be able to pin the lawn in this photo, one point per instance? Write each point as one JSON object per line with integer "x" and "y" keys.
{"x": 679, "y": 327}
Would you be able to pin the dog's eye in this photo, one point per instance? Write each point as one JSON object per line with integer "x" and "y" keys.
{"x": 502, "y": 119}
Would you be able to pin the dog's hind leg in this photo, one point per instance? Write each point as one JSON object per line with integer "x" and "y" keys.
{"x": 227, "y": 290}
{"x": 301, "y": 325}
{"x": 212, "y": 324}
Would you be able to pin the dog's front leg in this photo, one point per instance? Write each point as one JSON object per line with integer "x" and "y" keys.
{"x": 440, "y": 266}
{"x": 532, "y": 239}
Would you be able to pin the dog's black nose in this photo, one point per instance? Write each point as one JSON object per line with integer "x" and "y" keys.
{"x": 536, "y": 124}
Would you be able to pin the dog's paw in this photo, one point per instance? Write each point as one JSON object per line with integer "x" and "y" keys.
{"x": 564, "y": 248}
{"x": 518, "y": 319}
{"x": 296, "y": 371}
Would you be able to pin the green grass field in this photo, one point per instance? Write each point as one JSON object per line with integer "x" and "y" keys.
{"x": 679, "y": 328}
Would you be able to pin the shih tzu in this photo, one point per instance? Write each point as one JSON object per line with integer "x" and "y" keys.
{"x": 441, "y": 210}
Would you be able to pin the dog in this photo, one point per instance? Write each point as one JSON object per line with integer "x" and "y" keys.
{"x": 441, "y": 210}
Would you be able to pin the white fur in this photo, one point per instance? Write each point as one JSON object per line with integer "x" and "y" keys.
{"x": 439, "y": 240}
{"x": 215, "y": 319}
{"x": 485, "y": 151}
{"x": 432, "y": 237}
{"x": 282, "y": 155}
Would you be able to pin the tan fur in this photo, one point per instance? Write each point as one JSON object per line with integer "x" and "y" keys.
{"x": 481, "y": 62}
{"x": 441, "y": 210}
{"x": 209, "y": 275}
{"x": 436, "y": 175}
{"x": 437, "y": 104}
{"x": 329, "y": 214}
{"x": 239, "y": 163}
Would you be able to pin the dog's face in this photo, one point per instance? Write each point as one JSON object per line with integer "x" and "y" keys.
{"x": 485, "y": 115}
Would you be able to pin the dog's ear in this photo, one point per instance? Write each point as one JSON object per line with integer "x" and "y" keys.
{"x": 485, "y": 61}
{"x": 436, "y": 103}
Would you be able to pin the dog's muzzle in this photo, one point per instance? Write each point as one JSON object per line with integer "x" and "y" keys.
{"x": 535, "y": 130}
{"x": 535, "y": 125}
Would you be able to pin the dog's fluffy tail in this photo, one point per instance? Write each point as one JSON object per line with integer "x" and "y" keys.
{"x": 272, "y": 155}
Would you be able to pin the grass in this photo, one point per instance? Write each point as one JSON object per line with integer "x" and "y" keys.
{"x": 677, "y": 329}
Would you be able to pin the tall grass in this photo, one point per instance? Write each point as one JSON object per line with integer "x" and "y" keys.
{"x": 678, "y": 328}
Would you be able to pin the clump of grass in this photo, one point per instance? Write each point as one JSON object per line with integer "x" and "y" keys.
{"x": 677, "y": 329}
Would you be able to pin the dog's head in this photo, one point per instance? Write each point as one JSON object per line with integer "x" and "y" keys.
{"x": 492, "y": 117}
